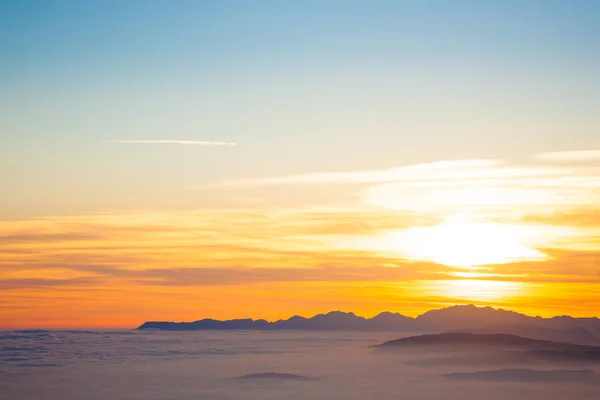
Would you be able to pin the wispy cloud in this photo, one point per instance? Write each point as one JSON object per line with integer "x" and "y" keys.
{"x": 183, "y": 263}
{"x": 438, "y": 172}
{"x": 568, "y": 156}
{"x": 186, "y": 142}
{"x": 414, "y": 172}
{"x": 492, "y": 188}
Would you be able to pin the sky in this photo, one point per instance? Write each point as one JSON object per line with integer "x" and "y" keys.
{"x": 175, "y": 160}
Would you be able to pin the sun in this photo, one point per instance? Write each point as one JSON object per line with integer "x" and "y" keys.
{"x": 463, "y": 243}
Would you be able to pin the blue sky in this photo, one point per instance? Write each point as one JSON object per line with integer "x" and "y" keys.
{"x": 301, "y": 86}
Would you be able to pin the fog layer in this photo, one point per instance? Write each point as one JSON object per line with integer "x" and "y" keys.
{"x": 263, "y": 366}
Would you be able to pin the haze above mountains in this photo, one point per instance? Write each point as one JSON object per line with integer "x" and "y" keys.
{"x": 463, "y": 318}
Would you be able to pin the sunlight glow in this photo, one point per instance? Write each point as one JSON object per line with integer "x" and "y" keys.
{"x": 475, "y": 289}
{"x": 459, "y": 242}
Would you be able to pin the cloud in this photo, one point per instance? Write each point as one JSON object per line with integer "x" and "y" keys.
{"x": 240, "y": 247}
{"x": 200, "y": 276}
{"x": 583, "y": 217}
{"x": 32, "y": 237}
{"x": 185, "y": 142}
{"x": 300, "y": 254}
{"x": 480, "y": 186}
{"x": 212, "y": 238}
{"x": 105, "y": 274}
{"x": 488, "y": 196}
{"x": 38, "y": 283}
{"x": 487, "y": 188}
{"x": 563, "y": 266}
{"x": 569, "y": 156}
{"x": 416, "y": 172}
{"x": 456, "y": 186}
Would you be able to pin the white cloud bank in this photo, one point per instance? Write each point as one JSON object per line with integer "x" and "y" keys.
{"x": 486, "y": 186}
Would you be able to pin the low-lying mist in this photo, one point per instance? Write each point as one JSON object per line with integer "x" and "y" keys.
{"x": 275, "y": 365}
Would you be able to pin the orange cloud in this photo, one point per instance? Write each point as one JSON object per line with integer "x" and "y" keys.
{"x": 515, "y": 236}
{"x": 123, "y": 268}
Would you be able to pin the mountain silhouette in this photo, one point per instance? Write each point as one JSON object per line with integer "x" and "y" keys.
{"x": 576, "y": 335}
{"x": 332, "y": 321}
{"x": 465, "y": 318}
{"x": 503, "y": 340}
{"x": 471, "y": 349}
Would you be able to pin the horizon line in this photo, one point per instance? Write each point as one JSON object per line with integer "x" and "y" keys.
{"x": 382, "y": 312}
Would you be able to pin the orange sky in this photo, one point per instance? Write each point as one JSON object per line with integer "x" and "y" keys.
{"x": 415, "y": 238}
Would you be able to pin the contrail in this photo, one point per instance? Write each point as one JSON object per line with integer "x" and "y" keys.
{"x": 187, "y": 142}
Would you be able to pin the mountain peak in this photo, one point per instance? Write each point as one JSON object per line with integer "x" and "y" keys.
{"x": 458, "y": 317}
{"x": 470, "y": 311}
{"x": 339, "y": 313}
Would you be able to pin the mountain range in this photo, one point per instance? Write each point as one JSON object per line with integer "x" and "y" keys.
{"x": 463, "y": 318}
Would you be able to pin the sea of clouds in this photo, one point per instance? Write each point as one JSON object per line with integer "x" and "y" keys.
{"x": 52, "y": 365}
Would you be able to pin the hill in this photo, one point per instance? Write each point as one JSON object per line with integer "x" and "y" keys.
{"x": 496, "y": 340}
{"x": 576, "y": 335}
{"x": 453, "y": 349}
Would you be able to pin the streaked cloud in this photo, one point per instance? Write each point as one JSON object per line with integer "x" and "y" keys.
{"x": 187, "y": 264}
{"x": 430, "y": 234}
{"x": 484, "y": 187}
{"x": 241, "y": 241}
{"x": 185, "y": 142}
{"x": 39, "y": 283}
{"x": 225, "y": 275}
{"x": 415, "y": 172}
{"x": 32, "y": 237}
{"x": 570, "y": 156}
{"x": 583, "y": 217}
{"x": 439, "y": 173}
